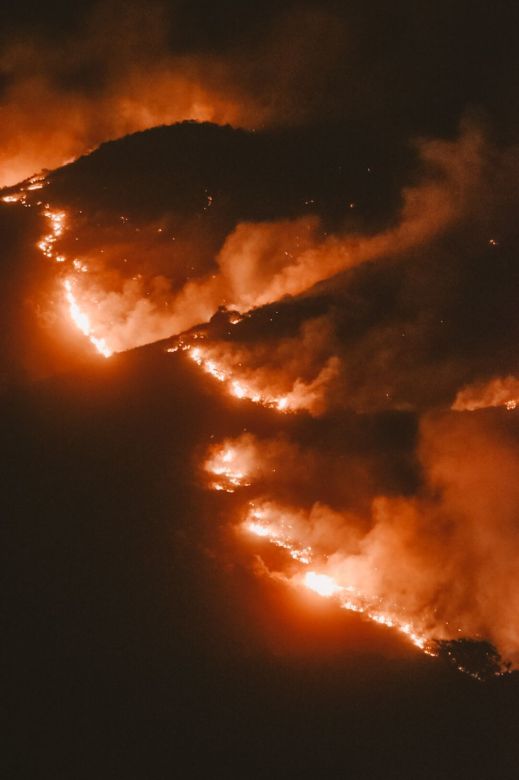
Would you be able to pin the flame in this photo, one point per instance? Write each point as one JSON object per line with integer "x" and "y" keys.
{"x": 326, "y": 586}
{"x": 57, "y": 226}
{"x": 16, "y": 198}
{"x": 321, "y": 583}
{"x": 234, "y": 465}
{"x": 47, "y": 246}
{"x": 236, "y": 388}
{"x": 82, "y": 321}
{"x": 225, "y": 464}
{"x": 258, "y": 525}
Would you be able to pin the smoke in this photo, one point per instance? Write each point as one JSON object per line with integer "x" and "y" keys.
{"x": 442, "y": 559}
{"x": 131, "y": 83}
{"x": 124, "y": 67}
{"x": 120, "y": 73}
{"x": 394, "y": 332}
{"x": 438, "y": 554}
{"x": 266, "y": 262}
{"x": 496, "y": 392}
{"x": 263, "y": 262}
{"x": 292, "y": 374}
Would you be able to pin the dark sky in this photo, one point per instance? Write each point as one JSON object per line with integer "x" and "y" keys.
{"x": 361, "y": 214}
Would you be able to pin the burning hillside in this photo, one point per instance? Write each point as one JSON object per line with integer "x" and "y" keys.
{"x": 288, "y": 286}
{"x": 259, "y": 389}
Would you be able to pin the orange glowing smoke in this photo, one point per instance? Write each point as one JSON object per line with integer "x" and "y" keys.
{"x": 145, "y": 84}
{"x": 437, "y": 566}
{"x": 498, "y": 392}
{"x": 235, "y": 467}
{"x": 237, "y": 388}
{"x": 260, "y": 263}
{"x": 280, "y": 528}
{"x": 45, "y": 126}
{"x": 267, "y": 385}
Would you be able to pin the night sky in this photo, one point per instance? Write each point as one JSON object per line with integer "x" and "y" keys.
{"x": 259, "y": 389}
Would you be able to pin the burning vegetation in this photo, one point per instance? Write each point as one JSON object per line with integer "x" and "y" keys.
{"x": 324, "y": 322}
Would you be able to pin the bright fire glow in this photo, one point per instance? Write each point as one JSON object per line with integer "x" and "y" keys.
{"x": 16, "y": 198}
{"x": 237, "y": 388}
{"x": 57, "y": 226}
{"x": 321, "y": 583}
{"x": 281, "y": 532}
{"x": 82, "y": 321}
{"x": 234, "y": 466}
{"x": 258, "y": 523}
{"x": 47, "y": 245}
{"x": 230, "y": 469}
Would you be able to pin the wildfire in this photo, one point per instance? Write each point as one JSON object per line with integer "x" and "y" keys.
{"x": 57, "y": 226}
{"x": 321, "y": 583}
{"x": 15, "y": 198}
{"x": 47, "y": 246}
{"x": 20, "y": 196}
{"x": 327, "y": 587}
{"x": 226, "y": 466}
{"x": 259, "y": 524}
{"x": 82, "y": 321}
{"x": 237, "y": 388}
{"x": 280, "y": 533}
{"x": 234, "y": 467}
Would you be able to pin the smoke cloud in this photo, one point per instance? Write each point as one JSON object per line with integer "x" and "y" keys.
{"x": 259, "y": 262}
{"x": 368, "y": 322}
{"x": 496, "y": 392}
{"x": 443, "y": 559}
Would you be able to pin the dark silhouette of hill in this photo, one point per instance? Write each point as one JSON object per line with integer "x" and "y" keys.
{"x": 250, "y": 175}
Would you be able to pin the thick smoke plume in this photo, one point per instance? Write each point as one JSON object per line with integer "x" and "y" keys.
{"x": 443, "y": 559}
{"x": 262, "y": 262}
{"x": 431, "y": 538}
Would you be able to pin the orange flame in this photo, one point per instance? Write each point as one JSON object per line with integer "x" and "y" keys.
{"x": 82, "y": 321}
{"x": 234, "y": 466}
